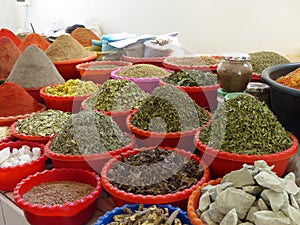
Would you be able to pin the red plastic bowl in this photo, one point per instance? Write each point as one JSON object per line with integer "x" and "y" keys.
{"x": 12, "y": 175}
{"x": 177, "y": 67}
{"x": 67, "y": 68}
{"x": 178, "y": 199}
{"x": 9, "y": 120}
{"x": 178, "y": 139}
{"x": 99, "y": 76}
{"x": 157, "y": 61}
{"x": 35, "y": 93}
{"x": 78, "y": 212}
{"x": 26, "y": 137}
{"x": 221, "y": 162}
{"x": 93, "y": 162}
{"x": 256, "y": 77}
{"x": 204, "y": 96}
{"x": 193, "y": 202}
{"x": 118, "y": 116}
{"x": 148, "y": 84}
{"x": 63, "y": 103}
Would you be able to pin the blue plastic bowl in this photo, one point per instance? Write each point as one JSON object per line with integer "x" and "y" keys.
{"x": 109, "y": 216}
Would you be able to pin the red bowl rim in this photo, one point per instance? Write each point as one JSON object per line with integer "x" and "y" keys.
{"x": 84, "y": 157}
{"x": 109, "y": 113}
{"x": 244, "y": 157}
{"x": 13, "y": 118}
{"x": 76, "y": 61}
{"x": 84, "y": 66}
{"x": 28, "y": 137}
{"x": 192, "y": 88}
{"x": 146, "y": 133}
{"x": 142, "y": 59}
{"x": 61, "y": 98}
{"x": 42, "y": 158}
{"x": 114, "y": 75}
{"x": 187, "y": 67}
{"x": 194, "y": 198}
{"x": 58, "y": 209}
{"x": 151, "y": 199}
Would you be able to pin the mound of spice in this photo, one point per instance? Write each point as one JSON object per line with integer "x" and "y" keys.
{"x": 252, "y": 195}
{"x": 33, "y": 69}
{"x": 47, "y": 123}
{"x": 89, "y": 132}
{"x": 292, "y": 79}
{"x": 143, "y": 215}
{"x": 142, "y": 71}
{"x": 202, "y": 60}
{"x": 72, "y": 87}
{"x": 169, "y": 109}
{"x": 245, "y": 125}
{"x": 116, "y": 95}
{"x": 15, "y": 101}
{"x": 8, "y": 33}
{"x": 66, "y": 47}
{"x": 57, "y": 192}
{"x": 191, "y": 78}
{"x": 4, "y": 132}
{"x": 34, "y": 39}
{"x": 264, "y": 59}
{"x": 9, "y": 54}
{"x": 84, "y": 36}
{"x": 155, "y": 172}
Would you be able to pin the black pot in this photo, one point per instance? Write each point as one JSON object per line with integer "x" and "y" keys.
{"x": 285, "y": 101}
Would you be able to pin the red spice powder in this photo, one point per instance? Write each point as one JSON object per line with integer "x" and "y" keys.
{"x": 16, "y": 101}
{"x": 34, "y": 39}
{"x": 11, "y": 35}
{"x": 9, "y": 54}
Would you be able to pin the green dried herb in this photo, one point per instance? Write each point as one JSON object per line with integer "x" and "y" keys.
{"x": 245, "y": 125}
{"x": 102, "y": 67}
{"x": 142, "y": 71}
{"x": 168, "y": 109}
{"x": 192, "y": 78}
{"x": 89, "y": 132}
{"x": 116, "y": 95}
{"x": 264, "y": 59}
{"x": 47, "y": 123}
{"x": 155, "y": 172}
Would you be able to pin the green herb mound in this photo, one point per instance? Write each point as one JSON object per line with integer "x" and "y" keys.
{"x": 245, "y": 125}
{"x": 192, "y": 78}
{"x": 264, "y": 59}
{"x": 168, "y": 109}
{"x": 89, "y": 132}
{"x": 116, "y": 95}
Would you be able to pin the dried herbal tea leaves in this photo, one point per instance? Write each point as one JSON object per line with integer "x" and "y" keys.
{"x": 245, "y": 125}
{"x": 155, "y": 172}
{"x": 169, "y": 109}
{"x": 264, "y": 59}
{"x": 142, "y": 71}
{"x": 89, "y": 132}
{"x": 47, "y": 123}
{"x": 72, "y": 87}
{"x": 151, "y": 215}
{"x": 192, "y": 78}
{"x": 116, "y": 95}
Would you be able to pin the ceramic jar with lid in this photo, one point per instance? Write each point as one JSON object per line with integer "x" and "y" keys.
{"x": 234, "y": 72}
